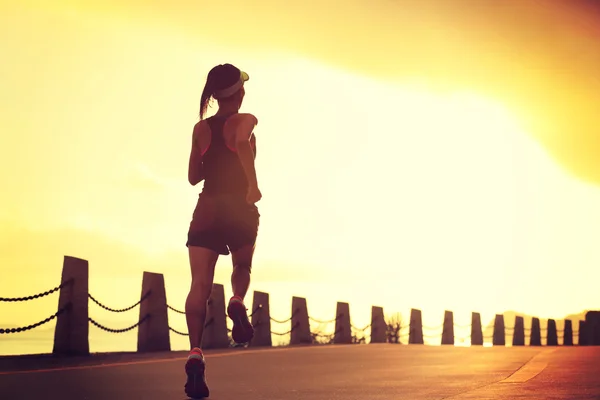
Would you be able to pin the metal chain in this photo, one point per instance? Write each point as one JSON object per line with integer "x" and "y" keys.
{"x": 123, "y": 309}
{"x": 257, "y": 309}
{"x": 287, "y": 320}
{"x": 210, "y": 321}
{"x": 26, "y": 328}
{"x": 325, "y": 322}
{"x": 173, "y": 309}
{"x": 37, "y": 296}
{"x": 119, "y": 330}
{"x": 280, "y": 321}
{"x": 360, "y": 329}
{"x": 288, "y": 332}
{"x": 179, "y": 333}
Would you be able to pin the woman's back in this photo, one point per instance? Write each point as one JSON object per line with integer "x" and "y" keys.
{"x": 223, "y": 171}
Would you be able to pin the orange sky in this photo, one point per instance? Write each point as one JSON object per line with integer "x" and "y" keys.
{"x": 539, "y": 56}
{"x": 447, "y": 152}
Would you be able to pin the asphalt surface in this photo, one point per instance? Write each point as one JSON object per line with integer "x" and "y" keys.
{"x": 348, "y": 372}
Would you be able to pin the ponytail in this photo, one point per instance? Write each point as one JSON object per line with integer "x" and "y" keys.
{"x": 204, "y": 99}
{"x": 207, "y": 93}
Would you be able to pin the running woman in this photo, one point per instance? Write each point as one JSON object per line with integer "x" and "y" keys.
{"x": 226, "y": 218}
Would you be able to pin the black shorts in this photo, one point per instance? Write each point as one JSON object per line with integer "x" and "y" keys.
{"x": 223, "y": 223}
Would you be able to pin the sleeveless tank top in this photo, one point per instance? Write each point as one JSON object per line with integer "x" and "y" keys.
{"x": 223, "y": 171}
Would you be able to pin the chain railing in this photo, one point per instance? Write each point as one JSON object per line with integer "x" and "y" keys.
{"x": 121, "y": 310}
{"x": 175, "y": 310}
{"x": 147, "y": 316}
{"x": 396, "y": 332}
{"x": 36, "y": 296}
{"x": 68, "y": 307}
{"x": 144, "y": 297}
{"x": 314, "y": 335}
{"x": 29, "y": 327}
{"x": 33, "y": 297}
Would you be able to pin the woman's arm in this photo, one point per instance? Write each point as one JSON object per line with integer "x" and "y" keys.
{"x": 195, "y": 170}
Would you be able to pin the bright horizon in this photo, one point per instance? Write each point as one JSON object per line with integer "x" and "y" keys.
{"x": 450, "y": 182}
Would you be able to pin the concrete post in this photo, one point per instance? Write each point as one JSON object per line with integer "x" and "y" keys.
{"x": 415, "y": 335}
{"x": 378, "y": 325}
{"x": 153, "y": 333}
{"x": 583, "y": 334}
{"x": 552, "y": 338}
{"x": 261, "y": 320}
{"x": 343, "y": 331}
{"x": 215, "y": 327}
{"x": 476, "y": 330}
{"x": 592, "y": 327}
{"x": 448, "y": 332}
{"x": 499, "y": 338}
{"x": 300, "y": 324}
{"x": 71, "y": 334}
{"x": 568, "y": 333}
{"x": 519, "y": 332}
{"x": 536, "y": 337}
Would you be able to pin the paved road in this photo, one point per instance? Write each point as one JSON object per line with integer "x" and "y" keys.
{"x": 354, "y": 372}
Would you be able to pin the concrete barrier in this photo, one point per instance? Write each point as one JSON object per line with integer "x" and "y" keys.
{"x": 499, "y": 336}
{"x": 215, "y": 327}
{"x": 476, "y": 330}
{"x": 300, "y": 324}
{"x": 448, "y": 331}
{"x": 71, "y": 334}
{"x": 592, "y": 323}
{"x": 378, "y": 325}
{"x": 261, "y": 320}
{"x": 552, "y": 338}
{"x": 568, "y": 333}
{"x": 519, "y": 332}
{"x": 582, "y": 334}
{"x": 343, "y": 331}
{"x": 535, "y": 338}
{"x": 153, "y": 333}
{"x": 415, "y": 335}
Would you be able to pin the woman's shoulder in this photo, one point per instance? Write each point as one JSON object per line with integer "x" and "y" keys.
{"x": 201, "y": 129}
{"x": 201, "y": 124}
{"x": 246, "y": 117}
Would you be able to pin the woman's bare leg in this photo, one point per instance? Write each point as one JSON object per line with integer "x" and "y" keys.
{"x": 202, "y": 263}
{"x": 242, "y": 267}
{"x": 242, "y": 331}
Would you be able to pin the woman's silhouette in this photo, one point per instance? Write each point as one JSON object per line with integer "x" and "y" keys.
{"x": 226, "y": 218}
